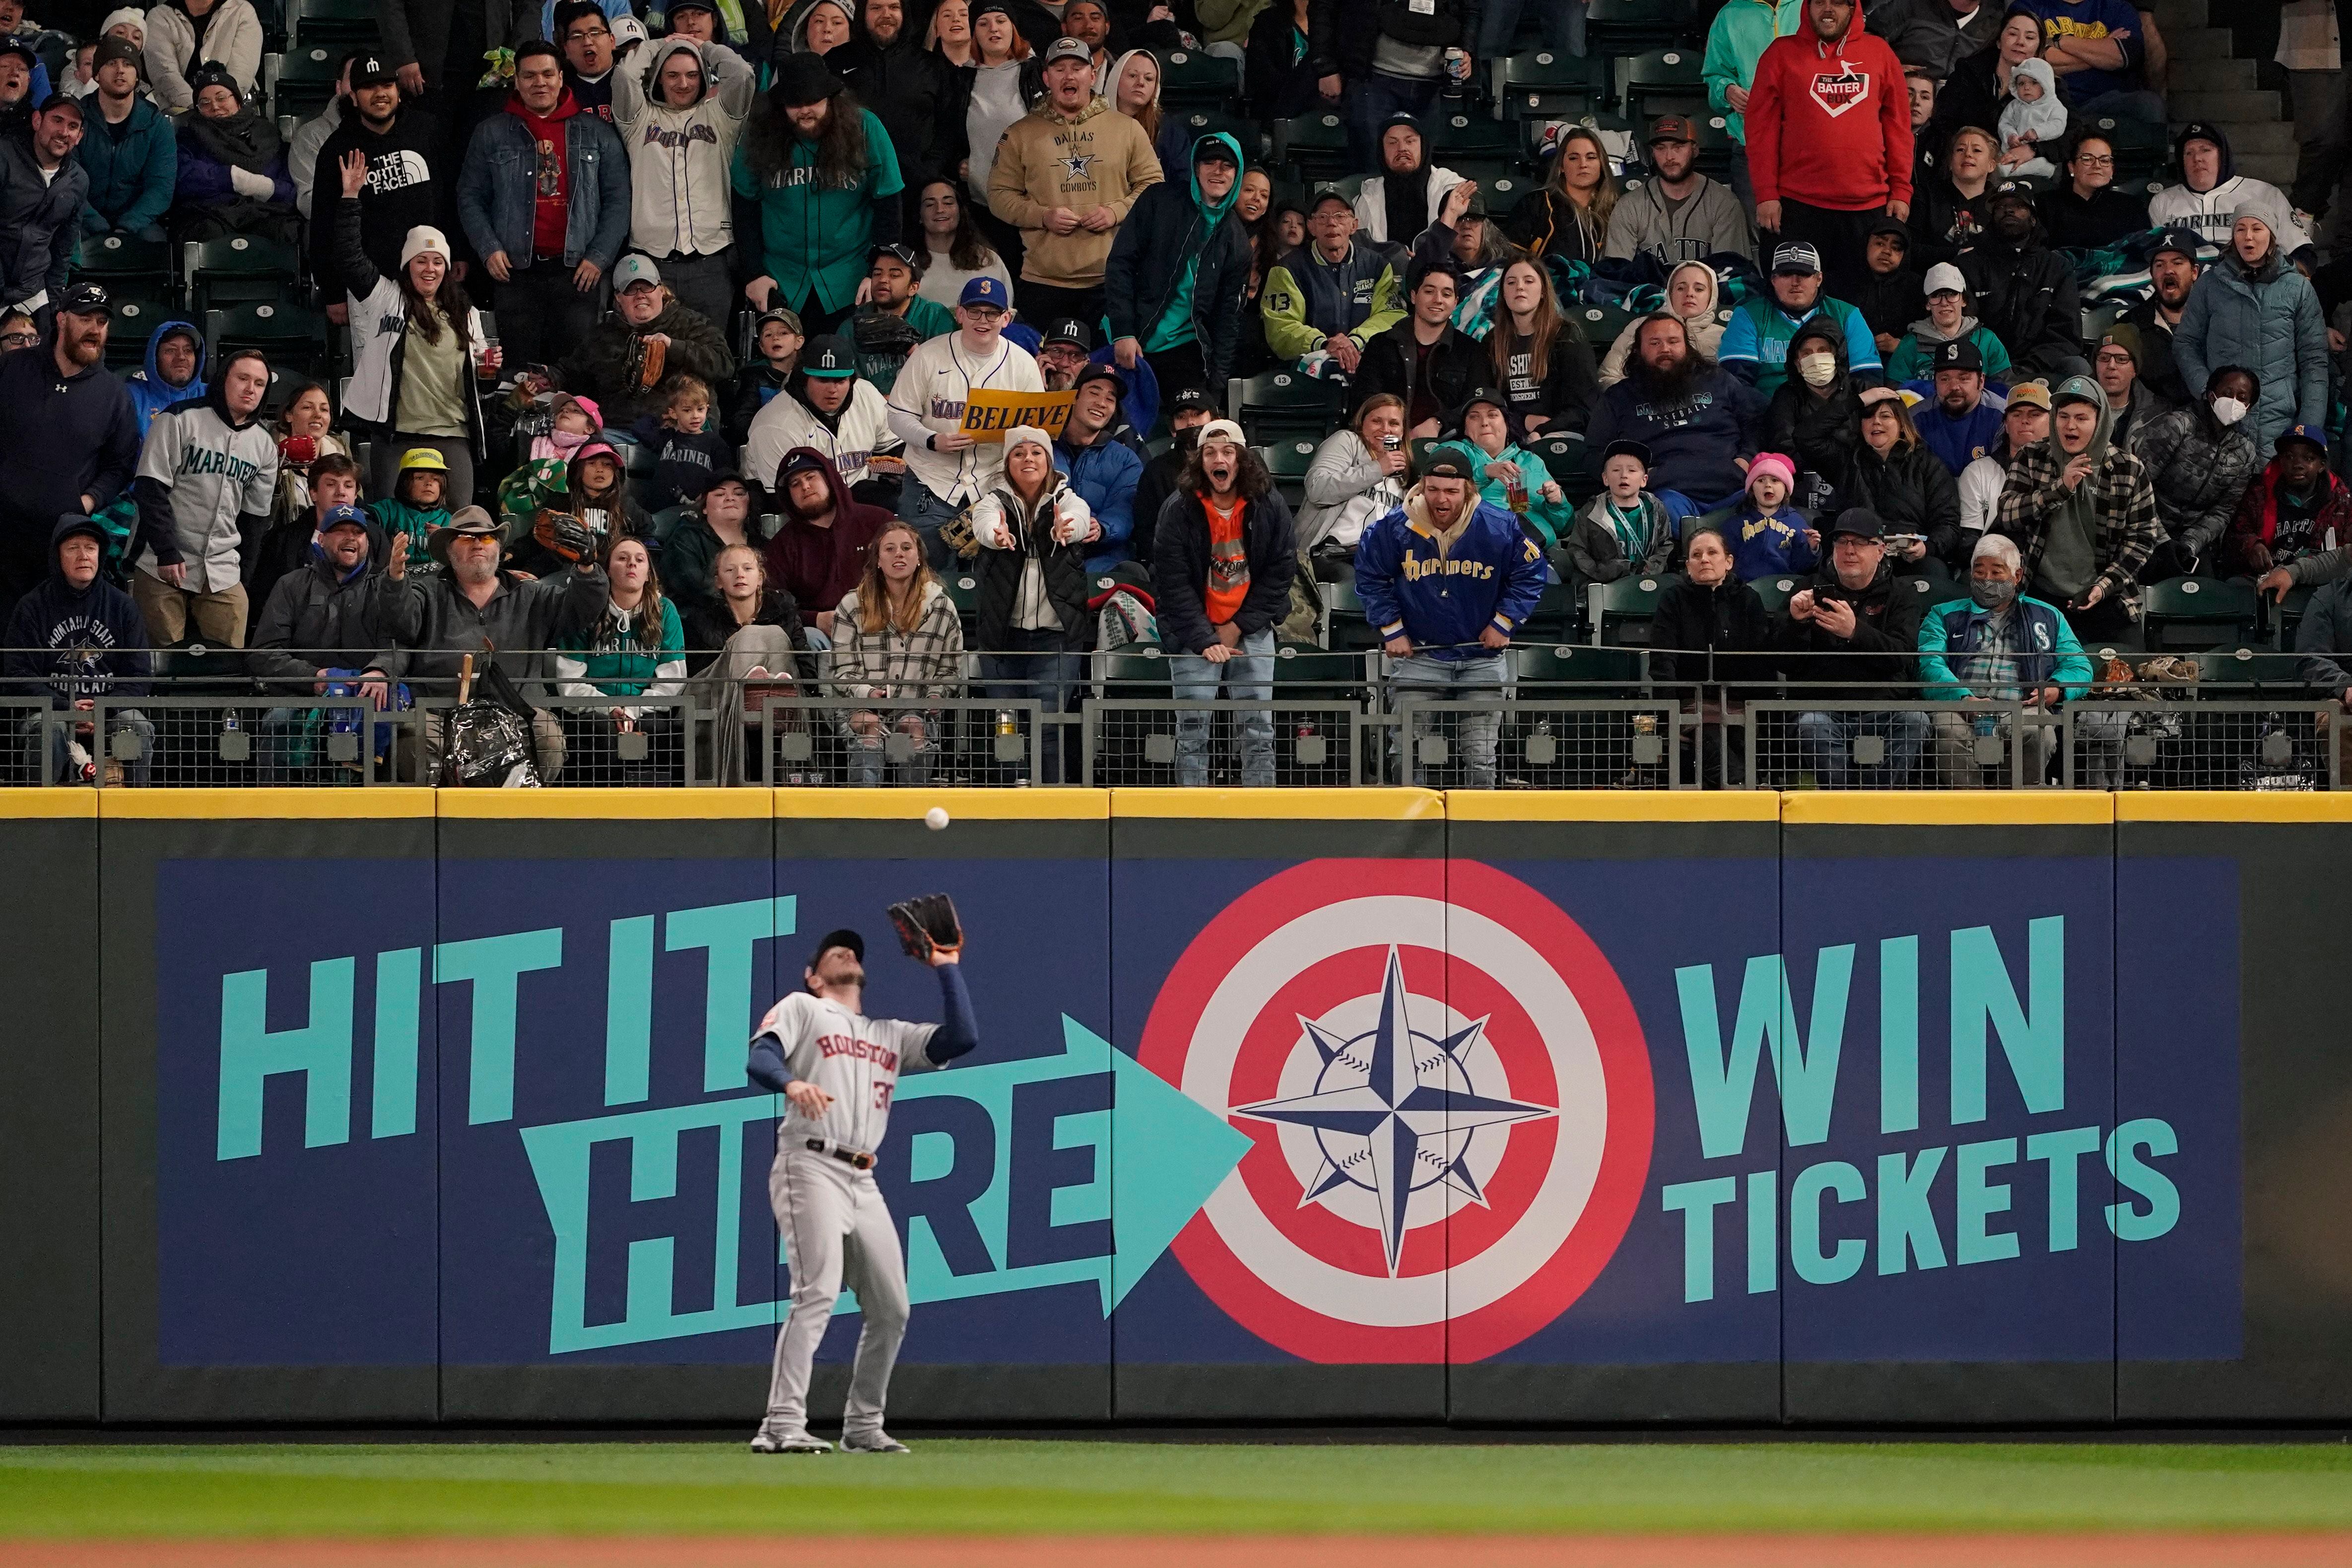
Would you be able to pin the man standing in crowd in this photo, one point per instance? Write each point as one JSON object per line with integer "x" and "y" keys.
{"x": 1388, "y": 60}
{"x": 1222, "y": 558}
{"x": 1424, "y": 359}
{"x": 1332, "y": 295}
{"x": 1829, "y": 135}
{"x": 401, "y": 193}
{"x": 1680, "y": 215}
{"x": 1179, "y": 271}
{"x": 586, "y": 35}
{"x": 828, "y": 408}
{"x": 826, "y": 179}
{"x": 206, "y": 478}
{"x": 2023, "y": 290}
{"x": 1699, "y": 423}
{"x": 1395, "y": 206}
{"x": 947, "y": 470}
{"x": 80, "y": 636}
{"x": 1957, "y": 426}
{"x": 1446, "y": 580}
{"x": 42, "y": 190}
{"x": 609, "y": 364}
{"x": 1939, "y": 34}
{"x": 1065, "y": 174}
{"x": 2083, "y": 513}
{"x": 1755, "y": 345}
{"x": 1189, "y": 412}
{"x": 1850, "y": 628}
{"x": 61, "y": 402}
{"x": 544, "y": 196}
{"x": 1736, "y": 42}
{"x": 2172, "y": 273}
{"x": 913, "y": 89}
{"x": 679, "y": 117}
{"x": 127, "y": 149}
{"x": 1103, "y": 468}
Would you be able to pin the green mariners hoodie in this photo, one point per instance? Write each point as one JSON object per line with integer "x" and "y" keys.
{"x": 1741, "y": 32}
{"x": 1174, "y": 328}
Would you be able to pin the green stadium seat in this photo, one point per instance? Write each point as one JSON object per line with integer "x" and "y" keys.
{"x": 121, "y": 260}
{"x": 1775, "y": 590}
{"x": 1337, "y": 676}
{"x": 136, "y": 317}
{"x": 301, "y": 82}
{"x": 1545, "y": 663}
{"x": 2141, "y": 150}
{"x": 1601, "y": 325}
{"x": 1554, "y": 616}
{"x": 2245, "y": 667}
{"x": 1314, "y": 144}
{"x": 239, "y": 270}
{"x": 1344, "y": 612}
{"x": 2193, "y": 613}
{"x": 1282, "y": 405}
{"x": 2285, "y": 615}
{"x": 1139, "y": 669}
{"x": 1541, "y": 70}
{"x": 1287, "y": 461}
{"x": 1619, "y": 611}
{"x": 293, "y": 336}
{"x": 1660, "y": 82}
{"x": 336, "y": 23}
{"x": 963, "y": 591}
{"x": 1459, "y": 135}
{"x": 1195, "y": 78}
{"x": 1200, "y": 122}
{"x": 1629, "y": 27}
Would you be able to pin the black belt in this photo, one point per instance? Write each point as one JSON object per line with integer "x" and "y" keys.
{"x": 852, "y": 1159}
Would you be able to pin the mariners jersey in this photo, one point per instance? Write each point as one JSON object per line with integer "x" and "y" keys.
{"x": 856, "y": 1060}
{"x": 933, "y": 385}
{"x": 209, "y": 472}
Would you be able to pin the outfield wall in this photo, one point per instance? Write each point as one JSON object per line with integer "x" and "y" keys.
{"x": 376, "y": 1105}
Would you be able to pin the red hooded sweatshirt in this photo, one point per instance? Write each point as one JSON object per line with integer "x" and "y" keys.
{"x": 1828, "y": 125}
{"x": 550, "y": 177}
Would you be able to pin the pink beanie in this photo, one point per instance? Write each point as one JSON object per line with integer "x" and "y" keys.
{"x": 1772, "y": 463}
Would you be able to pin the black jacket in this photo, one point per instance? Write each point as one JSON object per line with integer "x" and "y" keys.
{"x": 1276, "y": 86}
{"x": 1161, "y": 233}
{"x": 2077, "y": 225}
{"x": 1728, "y": 618}
{"x": 1342, "y": 34}
{"x": 998, "y": 573}
{"x": 1890, "y": 302}
{"x": 1179, "y": 569}
{"x": 919, "y": 98}
{"x": 315, "y": 611}
{"x": 440, "y": 625}
{"x": 87, "y": 435}
{"x": 40, "y": 220}
{"x": 1887, "y": 624}
{"x": 74, "y": 642}
{"x": 1161, "y": 477}
{"x": 2157, "y": 367}
{"x": 402, "y": 192}
{"x": 1910, "y": 489}
{"x": 1455, "y": 367}
{"x": 598, "y": 366}
{"x": 708, "y": 625}
{"x": 284, "y": 549}
{"x": 1944, "y": 223}
{"x": 2026, "y": 298}
{"x": 1571, "y": 386}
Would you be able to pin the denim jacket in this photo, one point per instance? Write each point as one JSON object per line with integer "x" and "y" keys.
{"x": 496, "y": 193}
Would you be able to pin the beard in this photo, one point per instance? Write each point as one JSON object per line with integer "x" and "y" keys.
{"x": 1675, "y": 382}
{"x": 807, "y": 513}
{"x": 83, "y": 348}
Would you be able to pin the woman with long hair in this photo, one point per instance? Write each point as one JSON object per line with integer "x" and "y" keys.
{"x": 1543, "y": 361}
{"x": 958, "y": 254}
{"x": 1978, "y": 90}
{"x": 745, "y": 649}
{"x": 637, "y": 649}
{"x": 305, "y": 434}
{"x": 1893, "y": 474}
{"x": 1000, "y": 91}
{"x": 419, "y": 351}
{"x": 896, "y": 638}
{"x": 951, "y": 33}
{"x": 1568, "y": 215}
{"x": 1132, "y": 86}
{"x": 1358, "y": 474}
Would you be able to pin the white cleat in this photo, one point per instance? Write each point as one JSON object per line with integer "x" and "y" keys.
{"x": 874, "y": 1442}
{"x": 769, "y": 1441}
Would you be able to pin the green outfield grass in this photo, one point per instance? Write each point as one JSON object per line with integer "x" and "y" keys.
{"x": 966, "y": 1486}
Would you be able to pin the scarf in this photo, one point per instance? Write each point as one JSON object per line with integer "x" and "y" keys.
{"x": 247, "y": 139}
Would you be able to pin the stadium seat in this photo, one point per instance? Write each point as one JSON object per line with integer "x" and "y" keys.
{"x": 1344, "y": 614}
{"x": 1195, "y": 78}
{"x": 239, "y": 270}
{"x": 1554, "y": 617}
{"x": 1601, "y": 325}
{"x": 136, "y": 317}
{"x": 336, "y": 23}
{"x": 1288, "y": 461}
{"x": 1541, "y": 70}
{"x": 1139, "y": 669}
{"x": 301, "y": 82}
{"x": 1660, "y": 82}
{"x": 1314, "y": 144}
{"x": 1544, "y": 663}
{"x": 963, "y": 591}
{"x": 2285, "y": 615}
{"x": 1620, "y": 609}
{"x": 123, "y": 261}
{"x": 1200, "y": 122}
{"x": 2141, "y": 150}
{"x": 1629, "y": 27}
{"x": 1459, "y": 135}
{"x": 1775, "y": 591}
{"x": 1282, "y": 405}
{"x": 2246, "y": 667}
{"x": 1500, "y": 180}
{"x": 293, "y": 337}
{"x": 1304, "y": 670}
{"x": 2192, "y": 613}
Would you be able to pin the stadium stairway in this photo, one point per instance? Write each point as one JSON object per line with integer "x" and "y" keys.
{"x": 2208, "y": 82}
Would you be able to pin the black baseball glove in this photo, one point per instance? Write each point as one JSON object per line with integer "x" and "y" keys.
{"x": 927, "y": 925}
{"x": 563, "y": 536}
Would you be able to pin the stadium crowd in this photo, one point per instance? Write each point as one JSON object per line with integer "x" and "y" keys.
{"x": 749, "y": 264}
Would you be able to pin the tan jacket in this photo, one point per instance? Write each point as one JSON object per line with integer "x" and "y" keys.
{"x": 1097, "y": 158}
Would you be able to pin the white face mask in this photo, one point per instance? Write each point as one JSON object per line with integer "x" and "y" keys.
{"x": 1818, "y": 369}
{"x": 2228, "y": 410}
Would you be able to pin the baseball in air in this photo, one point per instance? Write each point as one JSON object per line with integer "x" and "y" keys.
{"x": 936, "y": 818}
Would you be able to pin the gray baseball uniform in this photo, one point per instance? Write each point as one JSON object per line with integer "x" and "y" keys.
{"x": 835, "y": 1224}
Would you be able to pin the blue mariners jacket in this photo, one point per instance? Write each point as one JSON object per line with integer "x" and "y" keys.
{"x": 1441, "y": 598}
{"x": 2052, "y": 656}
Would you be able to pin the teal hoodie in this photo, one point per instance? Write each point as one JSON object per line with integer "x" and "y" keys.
{"x": 1552, "y": 521}
{"x": 1740, "y": 33}
{"x": 1174, "y": 328}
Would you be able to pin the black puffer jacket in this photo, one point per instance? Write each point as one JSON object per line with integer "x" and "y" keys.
{"x": 1728, "y": 618}
{"x": 999, "y": 572}
{"x": 1911, "y": 490}
{"x": 919, "y": 98}
{"x": 2025, "y": 296}
{"x": 1820, "y": 433}
{"x": 1876, "y": 662}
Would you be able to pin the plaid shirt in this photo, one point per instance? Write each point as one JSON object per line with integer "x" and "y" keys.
{"x": 2123, "y": 503}
{"x": 880, "y": 666}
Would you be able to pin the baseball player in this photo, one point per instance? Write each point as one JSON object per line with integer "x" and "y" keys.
{"x": 838, "y": 1069}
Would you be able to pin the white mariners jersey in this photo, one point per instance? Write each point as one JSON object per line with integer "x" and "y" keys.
{"x": 933, "y": 385}
{"x": 856, "y": 1060}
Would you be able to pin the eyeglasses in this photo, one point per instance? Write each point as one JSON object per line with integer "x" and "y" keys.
{"x": 2093, "y": 161}
{"x": 18, "y": 340}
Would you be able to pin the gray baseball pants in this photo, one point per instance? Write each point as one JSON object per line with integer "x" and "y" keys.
{"x": 836, "y": 1230}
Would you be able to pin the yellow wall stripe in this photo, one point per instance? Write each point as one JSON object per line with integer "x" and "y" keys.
{"x": 1613, "y": 806}
{"x": 67, "y": 802}
{"x": 559, "y": 804}
{"x": 282, "y": 805}
{"x": 1946, "y": 808}
{"x": 960, "y": 804}
{"x": 1282, "y": 805}
{"x": 2235, "y": 806}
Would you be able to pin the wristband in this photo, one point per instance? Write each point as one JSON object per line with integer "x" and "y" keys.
{"x": 931, "y": 442}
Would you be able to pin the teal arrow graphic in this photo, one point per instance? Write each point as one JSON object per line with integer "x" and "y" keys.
{"x": 1146, "y": 1164}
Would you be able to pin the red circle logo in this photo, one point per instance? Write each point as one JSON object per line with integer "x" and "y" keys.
{"x": 1448, "y": 1096}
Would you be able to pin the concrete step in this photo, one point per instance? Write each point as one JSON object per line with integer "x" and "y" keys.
{"x": 2180, "y": 15}
{"x": 2278, "y": 168}
{"x": 2211, "y": 73}
{"x": 2197, "y": 43}
{"x": 2250, "y": 139}
{"x": 2227, "y": 108}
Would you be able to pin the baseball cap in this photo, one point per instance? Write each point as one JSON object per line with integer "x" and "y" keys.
{"x": 1894, "y": 228}
{"x": 1796, "y": 259}
{"x": 1216, "y": 149}
{"x": 1637, "y": 450}
{"x": 1068, "y": 50}
{"x": 426, "y": 458}
{"x": 1445, "y": 465}
{"x": 985, "y": 292}
{"x": 337, "y": 517}
{"x": 1097, "y": 371}
{"x": 632, "y": 270}
{"x": 370, "y": 71}
{"x": 1192, "y": 398}
{"x": 1486, "y": 394}
{"x": 61, "y": 101}
{"x": 790, "y": 318}
{"x": 2124, "y": 336}
{"x": 1860, "y": 521}
{"x": 902, "y": 254}
{"x": 2032, "y": 394}
{"x": 844, "y": 937}
{"x": 1069, "y": 330}
{"x": 1671, "y": 128}
{"x": 828, "y": 359}
{"x": 1959, "y": 354}
{"x": 2077, "y": 389}
{"x": 1329, "y": 194}
{"x": 2200, "y": 130}
{"x": 2311, "y": 434}
{"x": 1222, "y": 430}
{"x": 86, "y": 299}
{"x": 627, "y": 30}
{"x": 2011, "y": 191}
{"x": 674, "y": 6}
{"x": 1944, "y": 278}
{"x": 2181, "y": 241}
{"x": 1402, "y": 118}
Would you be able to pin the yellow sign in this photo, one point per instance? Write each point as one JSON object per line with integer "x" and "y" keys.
{"x": 987, "y": 416}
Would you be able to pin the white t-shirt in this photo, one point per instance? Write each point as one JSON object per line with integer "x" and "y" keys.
{"x": 943, "y": 280}
{"x": 856, "y": 1060}
{"x": 931, "y": 388}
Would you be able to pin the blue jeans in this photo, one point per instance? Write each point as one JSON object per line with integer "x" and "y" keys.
{"x": 1247, "y": 676}
{"x": 918, "y": 506}
{"x": 1481, "y": 678}
{"x": 1039, "y": 665}
{"x": 1827, "y": 741}
{"x": 1562, "y": 23}
{"x": 1373, "y": 99}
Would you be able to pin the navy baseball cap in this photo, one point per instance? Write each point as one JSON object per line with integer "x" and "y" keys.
{"x": 2183, "y": 241}
{"x": 86, "y": 299}
{"x": 2312, "y": 434}
{"x": 338, "y": 516}
{"x": 1637, "y": 450}
{"x": 1097, "y": 371}
{"x": 844, "y": 937}
{"x": 828, "y": 359}
{"x": 1959, "y": 354}
{"x": 986, "y": 291}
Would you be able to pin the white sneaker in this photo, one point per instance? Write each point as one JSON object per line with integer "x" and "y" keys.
{"x": 874, "y": 1442}
{"x": 767, "y": 1440}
